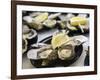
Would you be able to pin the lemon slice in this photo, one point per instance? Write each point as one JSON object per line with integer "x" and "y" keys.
{"x": 75, "y": 21}
{"x": 59, "y": 39}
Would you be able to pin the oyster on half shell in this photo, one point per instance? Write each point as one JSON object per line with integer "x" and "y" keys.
{"x": 48, "y": 53}
{"x": 49, "y": 23}
{"x": 42, "y": 51}
{"x": 42, "y": 54}
{"x": 29, "y": 34}
{"x": 66, "y": 52}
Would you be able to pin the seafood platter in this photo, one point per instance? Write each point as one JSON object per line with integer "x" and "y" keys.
{"x": 54, "y": 39}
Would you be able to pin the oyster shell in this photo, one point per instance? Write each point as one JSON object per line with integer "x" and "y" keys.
{"x": 66, "y": 17}
{"x": 53, "y": 16}
{"x": 69, "y": 16}
{"x": 24, "y": 45}
{"x": 30, "y": 35}
{"x": 28, "y": 19}
{"x": 36, "y": 25}
{"x": 36, "y": 49}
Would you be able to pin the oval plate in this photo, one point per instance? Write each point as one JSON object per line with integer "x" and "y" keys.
{"x": 57, "y": 62}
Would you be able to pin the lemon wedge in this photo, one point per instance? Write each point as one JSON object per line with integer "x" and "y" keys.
{"x": 75, "y": 21}
{"x": 59, "y": 39}
{"x": 40, "y": 18}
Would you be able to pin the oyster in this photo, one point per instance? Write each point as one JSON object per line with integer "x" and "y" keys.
{"x": 30, "y": 35}
{"x": 48, "y": 53}
{"x": 33, "y": 52}
{"x": 66, "y": 52}
{"x": 50, "y": 23}
{"x": 43, "y": 53}
{"x": 37, "y": 21}
{"x": 40, "y": 18}
{"x": 36, "y": 25}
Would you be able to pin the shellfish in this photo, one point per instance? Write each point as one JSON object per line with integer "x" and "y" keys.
{"x": 30, "y": 35}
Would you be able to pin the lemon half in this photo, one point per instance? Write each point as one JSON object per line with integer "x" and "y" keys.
{"x": 59, "y": 39}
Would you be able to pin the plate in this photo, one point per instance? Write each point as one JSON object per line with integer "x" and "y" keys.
{"x": 58, "y": 62}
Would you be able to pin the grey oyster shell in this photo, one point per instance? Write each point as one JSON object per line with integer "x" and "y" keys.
{"x": 24, "y": 45}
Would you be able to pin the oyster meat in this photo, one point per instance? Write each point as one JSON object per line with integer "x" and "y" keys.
{"x": 36, "y": 25}
{"x": 48, "y": 53}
